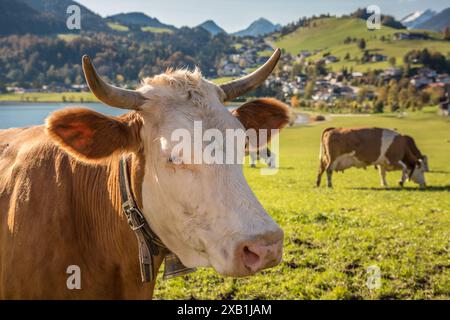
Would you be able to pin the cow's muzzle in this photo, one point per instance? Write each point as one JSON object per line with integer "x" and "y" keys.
{"x": 255, "y": 255}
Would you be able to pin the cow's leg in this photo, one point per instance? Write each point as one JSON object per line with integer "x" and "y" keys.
{"x": 253, "y": 158}
{"x": 404, "y": 173}
{"x": 319, "y": 177}
{"x": 382, "y": 171}
{"x": 271, "y": 159}
{"x": 320, "y": 173}
{"x": 329, "y": 176}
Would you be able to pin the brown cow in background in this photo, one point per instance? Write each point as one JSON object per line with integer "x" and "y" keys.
{"x": 343, "y": 148}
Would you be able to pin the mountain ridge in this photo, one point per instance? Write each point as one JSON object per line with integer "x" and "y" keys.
{"x": 18, "y": 17}
{"x": 416, "y": 18}
{"x": 259, "y": 27}
{"x": 438, "y": 22}
{"x": 89, "y": 20}
{"x": 139, "y": 19}
{"x": 212, "y": 27}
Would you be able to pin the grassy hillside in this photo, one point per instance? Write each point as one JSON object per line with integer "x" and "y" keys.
{"x": 328, "y": 35}
{"x": 333, "y": 236}
{"x": 118, "y": 27}
{"x": 123, "y": 28}
{"x": 156, "y": 30}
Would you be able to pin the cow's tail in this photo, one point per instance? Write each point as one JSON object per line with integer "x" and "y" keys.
{"x": 323, "y": 156}
{"x": 323, "y": 152}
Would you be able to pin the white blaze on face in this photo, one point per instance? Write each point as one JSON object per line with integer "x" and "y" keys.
{"x": 426, "y": 168}
{"x": 205, "y": 213}
{"x": 418, "y": 175}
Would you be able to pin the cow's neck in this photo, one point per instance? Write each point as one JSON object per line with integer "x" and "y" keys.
{"x": 104, "y": 230}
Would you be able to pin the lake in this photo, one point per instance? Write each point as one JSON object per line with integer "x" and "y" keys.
{"x": 17, "y": 114}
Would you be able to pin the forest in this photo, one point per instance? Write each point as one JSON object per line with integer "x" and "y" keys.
{"x": 31, "y": 61}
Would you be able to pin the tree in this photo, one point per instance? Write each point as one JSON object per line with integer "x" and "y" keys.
{"x": 403, "y": 99}
{"x": 392, "y": 99}
{"x": 309, "y": 89}
{"x": 362, "y": 93}
{"x": 447, "y": 34}
{"x": 382, "y": 94}
{"x": 378, "y": 107}
{"x": 294, "y": 102}
{"x": 362, "y": 44}
{"x": 392, "y": 61}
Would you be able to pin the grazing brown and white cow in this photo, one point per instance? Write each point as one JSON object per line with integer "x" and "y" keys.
{"x": 60, "y": 201}
{"x": 343, "y": 148}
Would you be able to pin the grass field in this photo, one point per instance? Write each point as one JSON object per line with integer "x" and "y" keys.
{"x": 333, "y": 236}
{"x": 49, "y": 97}
{"x": 328, "y": 35}
{"x": 118, "y": 27}
{"x": 156, "y": 30}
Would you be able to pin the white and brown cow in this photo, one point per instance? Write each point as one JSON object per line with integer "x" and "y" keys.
{"x": 60, "y": 201}
{"x": 343, "y": 148}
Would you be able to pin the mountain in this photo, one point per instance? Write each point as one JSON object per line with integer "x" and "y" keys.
{"x": 212, "y": 27}
{"x": 415, "y": 19}
{"x": 19, "y": 18}
{"x": 438, "y": 22}
{"x": 90, "y": 21}
{"x": 259, "y": 27}
{"x": 139, "y": 19}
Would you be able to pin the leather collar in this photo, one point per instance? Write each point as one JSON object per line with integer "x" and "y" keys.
{"x": 150, "y": 245}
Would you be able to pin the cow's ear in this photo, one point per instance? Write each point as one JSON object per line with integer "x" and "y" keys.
{"x": 265, "y": 113}
{"x": 91, "y": 136}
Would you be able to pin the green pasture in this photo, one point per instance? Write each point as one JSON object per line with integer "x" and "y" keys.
{"x": 328, "y": 35}
{"x": 333, "y": 236}
{"x": 156, "y": 30}
{"x": 49, "y": 97}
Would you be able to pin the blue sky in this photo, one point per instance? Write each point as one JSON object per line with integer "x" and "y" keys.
{"x": 234, "y": 15}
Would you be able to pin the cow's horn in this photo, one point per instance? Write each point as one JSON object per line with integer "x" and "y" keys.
{"x": 245, "y": 84}
{"x": 108, "y": 94}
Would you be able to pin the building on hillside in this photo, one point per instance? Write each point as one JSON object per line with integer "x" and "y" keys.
{"x": 331, "y": 59}
{"x": 230, "y": 70}
{"x": 419, "y": 81}
{"x": 427, "y": 72}
{"x": 444, "y": 78}
{"x": 410, "y": 36}
{"x": 392, "y": 73}
{"x": 378, "y": 57}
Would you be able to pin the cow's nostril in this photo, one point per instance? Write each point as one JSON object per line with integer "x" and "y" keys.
{"x": 251, "y": 259}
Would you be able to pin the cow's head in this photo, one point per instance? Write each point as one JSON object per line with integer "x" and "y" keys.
{"x": 424, "y": 162}
{"x": 418, "y": 174}
{"x": 205, "y": 213}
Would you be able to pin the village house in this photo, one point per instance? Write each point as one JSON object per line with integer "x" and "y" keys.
{"x": 331, "y": 59}
{"x": 230, "y": 70}
{"x": 378, "y": 57}
{"x": 410, "y": 36}
{"x": 419, "y": 81}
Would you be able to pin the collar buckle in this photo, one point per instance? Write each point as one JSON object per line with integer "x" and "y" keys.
{"x": 134, "y": 216}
